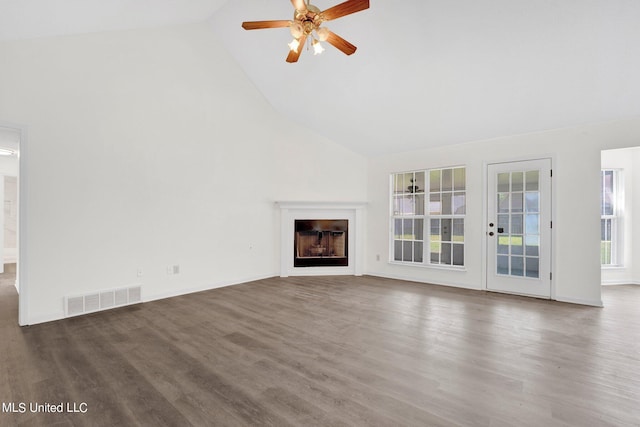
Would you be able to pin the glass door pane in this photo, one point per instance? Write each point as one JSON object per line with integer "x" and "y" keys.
{"x": 517, "y": 196}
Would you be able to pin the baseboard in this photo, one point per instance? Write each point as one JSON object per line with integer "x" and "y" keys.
{"x": 426, "y": 282}
{"x": 592, "y": 303}
{"x": 51, "y": 317}
{"x": 177, "y": 293}
{"x": 620, "y": 282}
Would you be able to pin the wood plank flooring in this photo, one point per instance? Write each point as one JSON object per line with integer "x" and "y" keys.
{"x": 331, "y": 351}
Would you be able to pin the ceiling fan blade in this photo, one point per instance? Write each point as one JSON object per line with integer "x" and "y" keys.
{"x": 340, "y": 43}
{"x": 293, "y": 56}
{"x": 299, "y": 4}
{"x": 259, "y": 25}
{"x": 344, "y": 9}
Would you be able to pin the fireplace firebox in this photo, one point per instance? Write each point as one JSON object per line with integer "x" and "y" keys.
{"x": 321, "y": 243}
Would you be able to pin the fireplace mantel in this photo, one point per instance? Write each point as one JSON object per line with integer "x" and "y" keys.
{"x": 300, "y": 210}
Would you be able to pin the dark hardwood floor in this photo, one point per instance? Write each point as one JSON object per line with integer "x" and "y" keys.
{"x": 334, "y": 351}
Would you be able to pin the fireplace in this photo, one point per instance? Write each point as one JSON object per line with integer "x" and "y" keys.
{"x": 334, "y": 221}
{"x": 321, "y": 243}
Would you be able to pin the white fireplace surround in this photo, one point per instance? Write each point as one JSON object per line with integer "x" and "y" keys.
{"x": 351, "y": 211}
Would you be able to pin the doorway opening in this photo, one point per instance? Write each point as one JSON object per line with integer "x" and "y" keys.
{"x": 620, "y": 216}
{"x": 10, "y": 289}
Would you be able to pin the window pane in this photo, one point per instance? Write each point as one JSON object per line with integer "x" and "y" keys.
{"x": 503, "y": 245}
{"x": 435, "y": 230}
{"x": 434, "y": 181}
{"x": 532, "y": 202}
{"x": 503, "y": 183}
{"x": 532, "y": 245}
{"x": 446, "y": 230}
{"x": 419, "y": 204}
{"x": 458, "y": 230}
{"x": 516, "y": 202}
{"x": 446, "y": 203}
{"x": 445, "y": 255}
{"x": 503, "y": 222}
{"x": 607, "y": 193}
{"x": 517, "y": 181}
{"x": 407, "y": 251}
{"x": 403, "y": 205}
{"x": 397, "y": 228}
{"x": 447, "y": 179}
{"x": 605, "y": 229}
{"x": 503, "y": 264}
{"x": 397, "y": 250}
{"x": 419, "y": 182}
{"x": 459, "y": 179}
{"x": 516, "y": 224}
{"x": 533, "y": 224}
{"x": 407, "y": 229}
{"x": 418, "y": 228}
{"x": 605, "y": 252}
{"x": 417, "y": 252}
{"x": 533, "y": 267}
{"x": 435, "y": 206}
{"x": 503, "y": 202}
{"x": 459, "y": 203}
{"x": 458, "y": 254}
{"x": 397, "y": 183}
{"x": 532, "y": 178}
{"x": 517, "y": 266}
{"x": 435, "y": 253}
{"x": 516, "y": 245}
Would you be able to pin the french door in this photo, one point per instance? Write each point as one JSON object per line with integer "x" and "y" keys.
{"x": 519, "y": 227}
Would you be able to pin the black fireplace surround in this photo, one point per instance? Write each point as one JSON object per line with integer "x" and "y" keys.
{"x": 321, "y": 243}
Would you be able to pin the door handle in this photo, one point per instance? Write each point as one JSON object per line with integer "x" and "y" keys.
{"x": 500, "y": 230}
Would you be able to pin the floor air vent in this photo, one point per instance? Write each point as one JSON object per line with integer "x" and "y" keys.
{"x": 103, "y": 300}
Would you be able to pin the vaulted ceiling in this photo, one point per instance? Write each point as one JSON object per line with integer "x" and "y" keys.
{"x": 426, "y": 73}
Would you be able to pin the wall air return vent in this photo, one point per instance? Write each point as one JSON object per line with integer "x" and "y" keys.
{"x": 103, "y": 300}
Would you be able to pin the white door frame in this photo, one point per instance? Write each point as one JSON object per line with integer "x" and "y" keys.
{"x": 485, "y": 234}
{"x": 21, "y": 272}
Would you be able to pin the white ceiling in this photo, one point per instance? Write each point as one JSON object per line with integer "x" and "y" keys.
{"x": 20, "y": 19}
{"x": 426, "y": 73}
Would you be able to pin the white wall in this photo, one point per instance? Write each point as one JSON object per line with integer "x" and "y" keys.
{"x": 576, "y": 166}
{"x": 635, "y": 235}
{"x": 151, "y": 148}
{"x": 627, "y": 160}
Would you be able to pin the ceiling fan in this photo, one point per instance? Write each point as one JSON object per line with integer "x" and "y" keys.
{"x": 306, "y": 26}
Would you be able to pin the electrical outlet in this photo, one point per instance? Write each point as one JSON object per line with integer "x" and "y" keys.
{"x": 170, "y": 270}
{"x": 378, "y": 257}
{"x": 140, "y": 272}
{"x": 176, "y": 269}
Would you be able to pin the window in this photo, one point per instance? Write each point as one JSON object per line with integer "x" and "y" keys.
{"x": 434, "y": 198}
{"x": 610, "y": 218}
{"x": 408, "y": 216}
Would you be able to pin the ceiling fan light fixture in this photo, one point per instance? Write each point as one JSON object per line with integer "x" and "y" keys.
{"x": 294, "y": 45}
{"x": 317, "y": 47}
{"x": 323, "y": 34}
{"x": 296, "y": 30}
{"x": 306, "y": 27}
